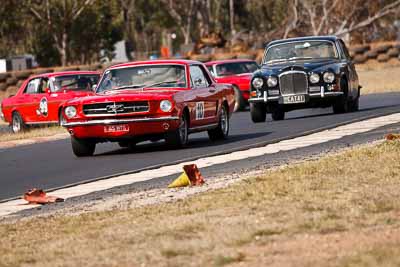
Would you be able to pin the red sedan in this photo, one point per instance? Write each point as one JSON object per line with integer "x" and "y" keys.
{"x": 150, "y": 100}
{"x": 40, "y": 98}
{"x": 237, "y": 72}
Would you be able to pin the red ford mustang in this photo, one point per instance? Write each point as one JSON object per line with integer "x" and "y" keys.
{"x": 40, "y": 98}
{"x": 237, "y": 72}
{"x": 150, "y": 100}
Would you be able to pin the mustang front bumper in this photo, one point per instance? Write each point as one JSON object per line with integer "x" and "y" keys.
{"x": 136, "y": 127}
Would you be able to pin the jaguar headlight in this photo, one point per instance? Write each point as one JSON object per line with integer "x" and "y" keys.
{"x": 329, "y": 77}
{"x": 314, "y": 78}
{"x": 70, "y": 112}
{"x": 272, "y": 81}
{"x": 165, "y": 105}
{"x": 257, "y": 83}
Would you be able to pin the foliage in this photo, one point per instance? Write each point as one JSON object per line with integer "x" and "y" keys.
{"x": 76, "y": 31}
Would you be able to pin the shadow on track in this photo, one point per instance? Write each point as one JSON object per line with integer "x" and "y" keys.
{"x": 193, "y": 143}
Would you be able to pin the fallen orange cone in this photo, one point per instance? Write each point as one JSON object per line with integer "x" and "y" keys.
{"x": 38, "y": 196}
{"x": 190, "y": 176}
{"x": 391, "y": 137}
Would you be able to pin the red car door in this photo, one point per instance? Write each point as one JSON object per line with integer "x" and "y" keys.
{"x": 28, "y": 101}
{"x": 204, "y": 105}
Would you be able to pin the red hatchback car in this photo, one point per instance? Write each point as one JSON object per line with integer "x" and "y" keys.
{"x": 40, "y": 98}
{"x": 150, "y": 100}
{"x": 237, "y": 72}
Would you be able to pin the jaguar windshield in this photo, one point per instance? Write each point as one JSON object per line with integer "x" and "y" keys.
{"x": 139, "y": 77}
{"x": 306, "y": 50}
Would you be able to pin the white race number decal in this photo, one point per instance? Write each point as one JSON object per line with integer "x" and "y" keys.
{"x": 43, "y": 107}
{"x": 199, "y": 110}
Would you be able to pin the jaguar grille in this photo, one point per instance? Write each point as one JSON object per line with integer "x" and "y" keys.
{"x": 293, "y": 82}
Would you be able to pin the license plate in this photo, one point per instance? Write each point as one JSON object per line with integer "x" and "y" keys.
{"x": 116, "y": 128}
{"x": 294, "y": 99}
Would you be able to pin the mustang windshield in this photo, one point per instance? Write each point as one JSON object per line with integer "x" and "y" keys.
{"x": 73, "y": 82}
{"x": 300, "y": 50}
{"x": 227, "y": 69}
{"x": 160, "y": 76}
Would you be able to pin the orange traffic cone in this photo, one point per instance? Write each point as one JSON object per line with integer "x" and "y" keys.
{"x": 190, "y": 176}
{"x": 391, "y": 137}
{"x": 38, "y": 196}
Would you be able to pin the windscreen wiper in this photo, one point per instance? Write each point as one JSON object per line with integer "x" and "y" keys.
{"x": 276, "y": 60}
{"x": 294, "y": 58}
{"x": 159, "y": 83}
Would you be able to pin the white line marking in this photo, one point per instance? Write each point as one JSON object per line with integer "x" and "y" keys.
{"x": 285, "y": 145}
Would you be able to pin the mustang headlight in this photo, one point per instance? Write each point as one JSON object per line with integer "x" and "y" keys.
{"x": 70, "y": 112}
{"x": 258, "y": 82}
{"x": 165, "y": 105}
{"x": 314, "y": 78}
{"x": 329, "y": 77}
{"x": 272, "y": 81}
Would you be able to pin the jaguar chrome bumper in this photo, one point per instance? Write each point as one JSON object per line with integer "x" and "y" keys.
{"x": 118, "y": 121}
{"x": 267, "y": 98}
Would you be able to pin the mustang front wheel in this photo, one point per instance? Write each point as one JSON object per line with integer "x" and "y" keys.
{"x": 179, "y": 137}
{"x": 222, "y": 131}
{"x": 82, "y": 147}
{"x": 17, "y": 124}
{"x": 258, "y": 112}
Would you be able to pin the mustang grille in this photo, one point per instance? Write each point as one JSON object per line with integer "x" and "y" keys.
{"x": 293, "y": 83}
{"x": 113, "y": 108}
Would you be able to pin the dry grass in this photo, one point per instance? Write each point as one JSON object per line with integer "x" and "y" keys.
{"x": 32, "y": 133}
{"x": 379, "y": 79}
{"x": 341, "y": 210}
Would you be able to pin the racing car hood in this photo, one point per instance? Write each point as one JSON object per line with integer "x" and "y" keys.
{"x": 126, "y": 95}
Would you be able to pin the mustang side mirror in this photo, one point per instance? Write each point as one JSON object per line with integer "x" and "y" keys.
{"x": 94, "y": 87}
{"x": 47, "y": 90}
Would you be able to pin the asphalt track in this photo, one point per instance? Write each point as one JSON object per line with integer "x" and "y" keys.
{"x": 52, "y": 164}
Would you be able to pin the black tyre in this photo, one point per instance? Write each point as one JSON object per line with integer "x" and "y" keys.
{"x": 278, "y": 114}
{"x": 240, "y": 102}
{"x": 222, "y": 131}
{"x": 342, "y": 103}
{"x": 179, "y": 137}
{"x": 18, "y": 124}
{"x": 258, "y": 112}
{"x": 355, "y": 104}
{"x": 82, "y": 147}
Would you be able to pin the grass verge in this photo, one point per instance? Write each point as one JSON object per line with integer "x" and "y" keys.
{"x": 341, "y": 210}
{"x": 379, "y": 79}
{"x": 32, "y": 133}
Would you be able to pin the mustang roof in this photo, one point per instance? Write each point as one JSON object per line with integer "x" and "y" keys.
{"x": 154, "y": 62}
{"x": 331, "y": 38}
{"x": 228, "y": 61}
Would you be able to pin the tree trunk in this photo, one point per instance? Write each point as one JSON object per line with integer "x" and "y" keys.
{"x": 63, "y": 52}
{"x": 232, "y": 17}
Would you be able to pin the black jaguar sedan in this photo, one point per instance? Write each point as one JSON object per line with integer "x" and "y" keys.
{"x": 306, "y": 72}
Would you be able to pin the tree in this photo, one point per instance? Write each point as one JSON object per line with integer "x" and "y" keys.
{"x": 58, "y": 18}
{"x": 182, "y": 12}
